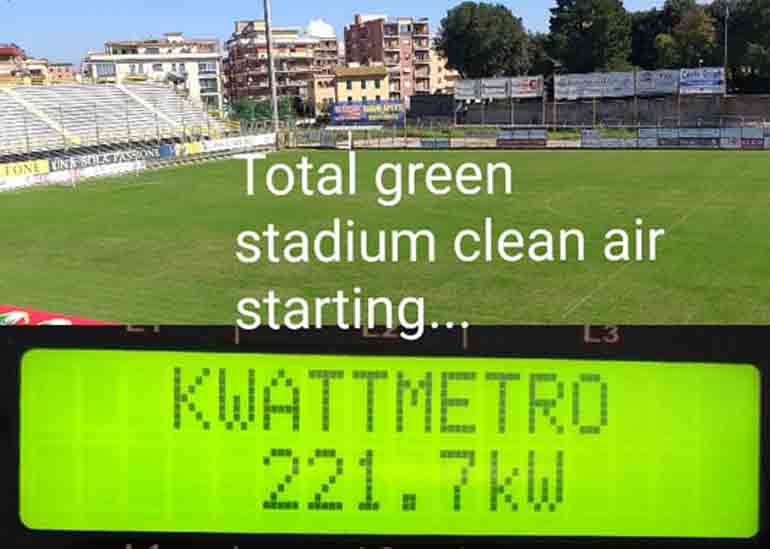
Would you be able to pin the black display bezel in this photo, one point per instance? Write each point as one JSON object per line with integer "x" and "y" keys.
{"x": 738, "y": 345}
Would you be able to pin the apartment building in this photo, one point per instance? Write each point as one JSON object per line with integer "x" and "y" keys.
{"x": 62, "y": 73}
{"x": 304, "y": 61}
{"x": 402, "y": 44}
{"x": 442, "y": 79}
{"x": 193, "y": 63}
{"x": 18, "y": 69}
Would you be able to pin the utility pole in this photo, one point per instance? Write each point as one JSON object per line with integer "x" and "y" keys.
{"x": 727, "y": 20}
{"x": 271, "y": 65}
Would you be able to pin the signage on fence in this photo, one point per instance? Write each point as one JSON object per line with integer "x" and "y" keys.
{"x": 702, "y": 81}
{"x": 591, "y": 139}
{"x": 665, "y": 82}
{"x": 731, "y": 138}
{"x": 24, "y": 181}
{"x": 619, "y": 84}
{"x": 526, "y": 86}
{"x": 435, "y": 143}
{"x": 753, "y": 138}
{"x": 31, "y": 167}
{"x": 595, "y": 85}
{"x": 113, "y": 157}
{"x": 236, "y": 143}
{"x": 467, "y": 90}
{"x": 495, "y": 88}
{"x": 522, "y": 139}
{"x": 357, "y": 113}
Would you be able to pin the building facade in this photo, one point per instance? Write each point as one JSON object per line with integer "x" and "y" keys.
{"x": 304, "y": 62}
{"x": 62, "y": 73}
{"x": 17, "y": 69}
{"x": 196, "y": 64}
{"x": 402, "y": 44}
{"x": 356, "y": 84}
{"x": 442, "y": 79}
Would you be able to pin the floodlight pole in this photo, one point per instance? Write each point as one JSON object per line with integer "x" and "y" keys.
{"x": 727, "y": 27}
{"x": 271, "y": 65}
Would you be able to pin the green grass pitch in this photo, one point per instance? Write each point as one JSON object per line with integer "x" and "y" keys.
{"x": 160, "y": 247}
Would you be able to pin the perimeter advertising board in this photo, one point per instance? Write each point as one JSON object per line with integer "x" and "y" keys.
{"x": 362, "y": 113}
{"x": 467, "y": 90}
{"x": 522, "y": 139}
{"x": 703, "y": 81}
{"x": 526, "y": 87}
{"x": 495, "y": 88}
{"x": 665, "y": 82}
{"x": 595, "y": 85}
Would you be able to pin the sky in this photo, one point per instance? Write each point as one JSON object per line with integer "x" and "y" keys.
{"x": 65, "y": 30}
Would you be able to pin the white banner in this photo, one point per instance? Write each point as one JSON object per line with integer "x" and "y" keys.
{"x": 657, "y": 82}
{"x": 238, "y": 143}
{"x": 467, "y": 90}
{"x": 494, "y": 88}
{"x": 526, "y": 86}
{"x": 24, "y": 181}
{"x": 595, "y": 85}
{"x": 703, "y": 81}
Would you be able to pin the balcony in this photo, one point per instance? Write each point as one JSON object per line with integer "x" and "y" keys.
{"x": 420, "y": 45}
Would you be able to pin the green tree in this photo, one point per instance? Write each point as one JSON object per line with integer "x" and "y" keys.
{"x": 646, "y": 26}
{"x": 258, "y": 110}
{"x": 749, "y": 41}
{"x": 667, "y": 55}
{"x": 695, "y": 38}
{"x": 540, "y": 61}
{"x": 481, "y": 40}
{"x": 590, "y": 35}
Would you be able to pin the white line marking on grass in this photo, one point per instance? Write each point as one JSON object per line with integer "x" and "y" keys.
{"x": 583, "y": 300}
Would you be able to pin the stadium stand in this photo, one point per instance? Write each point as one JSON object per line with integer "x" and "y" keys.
{"x": 37, "y": 119}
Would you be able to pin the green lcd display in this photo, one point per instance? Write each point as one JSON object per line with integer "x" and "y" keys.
{"x": 145, "y": 441}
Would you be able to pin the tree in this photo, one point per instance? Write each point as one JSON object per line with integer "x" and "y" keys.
{"x": 590, "y": 35}
{"x": 666, "y": 52}
{"x": 695, "y": 38}
{"x": 646, "y": 26}
{"x": 691, "y": 42}
{"x": 480, "y": 40}
{"x": 749, "y": 27}
{"x": 258, "y": 110}
{"x": 540, "y": 61}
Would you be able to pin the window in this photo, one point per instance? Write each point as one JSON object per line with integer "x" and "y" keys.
{"x": 152, "y": 51}
{"x": 140, "y": 68}
{"x": 132, "y": 69}
{"x": 157, "y": 67}
{"x": 363, "y": 84}
{"x": 378, "y": 99}
{"x": 173, "y": 67}
{"x": 377, "y": 84}
{"x": 364, "y": 99}
{"x": 350, "y": 99}
{"x": 104, "y": 70}
{"x": 350, "y": 84}
{"x": 207, "y": 68}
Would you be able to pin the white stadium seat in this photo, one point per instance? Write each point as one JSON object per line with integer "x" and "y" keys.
{"x": 38, "y": 119}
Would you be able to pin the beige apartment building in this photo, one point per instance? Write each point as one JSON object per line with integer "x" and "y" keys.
{"x": 196, "y": 64}
{"x": 304, "y": 62}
